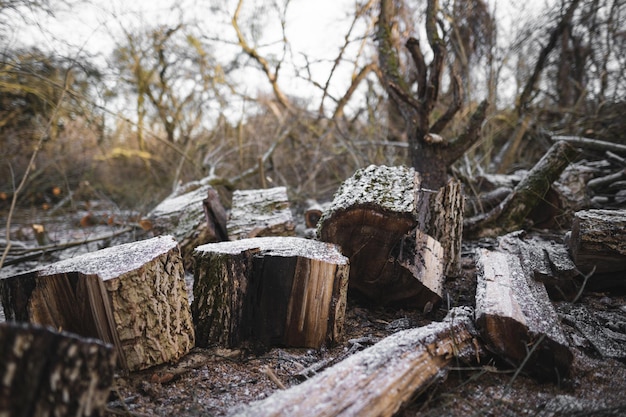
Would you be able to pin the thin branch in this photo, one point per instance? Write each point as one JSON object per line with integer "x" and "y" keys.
{"x": 454, "y": 107}
{"x": 353, "y": 86}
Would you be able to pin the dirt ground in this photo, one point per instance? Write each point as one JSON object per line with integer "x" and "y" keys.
{"x": 212, "y": 382}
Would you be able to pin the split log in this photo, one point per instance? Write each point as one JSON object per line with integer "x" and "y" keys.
{"x": 516, "y": 318}
{"x": 259, "y": 213}
{"x": 527, "y": 195}
{"x": 401, "y": 238}
{"x": 546, "y": 261}
{"x": 46, "y": 373}
{"x": 598, "y": 240}
{"x": 379, "y": 380}
{"x": 132, "y": 296}
{"x": 194, "y": 215}
{"x": 269, "y": 291}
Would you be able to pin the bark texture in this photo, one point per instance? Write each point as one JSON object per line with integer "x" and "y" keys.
{"x": 258, "y": 213}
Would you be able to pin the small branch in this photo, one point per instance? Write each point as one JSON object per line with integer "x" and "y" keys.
{"x": 471, "y": 134}
{"x": 353, "y": 86}
{"x": 413, "y": 45}
{"x": 589, "y": 143}
{"x": 457, "y": 92}
{"x": 407, "y": 99}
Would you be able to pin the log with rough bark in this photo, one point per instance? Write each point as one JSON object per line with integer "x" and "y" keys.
{"x": 132, "y": 296}
{"x": 598, "y": 240}
{"x": 194, "y": 215}
{"x": 260, "y": 213}
{"x": 516, "y": 318}
{"x": 269, "y": 291}
{"x": 401, "y": 238}
{"x": 381, "y": 379}
{"x": 511, "y": 213}
{"x": 47, "y": 373}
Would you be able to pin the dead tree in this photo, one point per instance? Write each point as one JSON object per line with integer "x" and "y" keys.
{"x": 132, "y": 296}
{"x": 431, "y": 154}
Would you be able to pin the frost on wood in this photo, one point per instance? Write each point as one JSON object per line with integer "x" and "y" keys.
{"x": 258, "y": 213}
{"x": 268, "y": 291}
{"x": 401, "y": 238}
{"x": 380, "y": 380}
{"x": 47, "y": 373}
{"x": 515, "y": 315}
{"x": 131, "y": 295}
{"x": 598, "y": 240}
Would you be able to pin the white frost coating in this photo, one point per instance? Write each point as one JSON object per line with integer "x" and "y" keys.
{"x": 279, "y": 246}
{"x": 174, "y": 205}
{"x": 114, "y": 261}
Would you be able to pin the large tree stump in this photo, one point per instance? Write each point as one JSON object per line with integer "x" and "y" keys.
{"x": 194, "y": 215}
{"x": 132, "y": 296}
{"x": 379, "y": 380}
{"x": 516, "y": 318}
{"x": 401, "y": 238}
{"x": 269, "y": 291}
{"x": 46, "y": 373}
{"x": 260, "y": 213}
{"x": 598, "y": 240}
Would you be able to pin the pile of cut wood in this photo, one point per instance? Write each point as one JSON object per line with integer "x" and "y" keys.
{"x": 384, "y": 239}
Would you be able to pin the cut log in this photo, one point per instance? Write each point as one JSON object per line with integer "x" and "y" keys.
{"x": 598, "y": 240}
{"x": 516, "y": 318}
{"x": 379, "y": 380}
{"x": 269, "y": 291}
{"x": 509, "y": 215}
{"x": 401, "y": 239}
{"x": 46, "y": 373}
{"x": 132, "y": 296}
{"x": 546, "y": 261}
{"x": 260, "y": 213}
{"x": 194, "y": 215}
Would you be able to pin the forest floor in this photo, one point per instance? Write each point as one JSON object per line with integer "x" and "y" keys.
{"x": 213, "y": 382}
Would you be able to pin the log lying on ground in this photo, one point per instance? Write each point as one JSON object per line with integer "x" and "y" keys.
{"x": 546, "y": 261}
{"x": 132, "y": 296}
{"x": 269, "y": 291}
{"x": 259, "y": 213}
{"x": 401, "y": 239}
{"x": 598, "y": 240}
{"x": 510, "y": 214}
{"x": 46, "y": 373}
{"x": 379, "y": 380}
{"x": 517, "y": 319}
{"x": 194, "y": 215}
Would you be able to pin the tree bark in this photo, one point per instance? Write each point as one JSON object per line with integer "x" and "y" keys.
{"x": 260, "y": 213}
{"x": 269, "y": 291}
{"x": 46, "y": 373}
{"x": 517, "y": 320}
{"x": 380, "y": 380}
{"x": 132, "y": 296}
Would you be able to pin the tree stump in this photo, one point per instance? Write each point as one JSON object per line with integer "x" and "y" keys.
{"x": 401, "y": 238}
{"x": 46, "y": 373}
{"x": 598, "y": 240}
{"x": 194, "y": 215}
{"x": 260, "y": 213}
{"x": 132, "y": 296}
{"x": 379, "y": 380}
{"x": 269, "y": 291}
{"x": 516, "y": 318}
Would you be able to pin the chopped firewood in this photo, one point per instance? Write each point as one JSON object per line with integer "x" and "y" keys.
{"x": 598, "y": 240}
{"x": 401, "y": 238}
{"x": 132, "y": 296}
{"x": 379, "y": 380}
{"x": 47, "y": 373}
{"x": 516, "y": 318}
{"x": 194, "y": 215}
{"x": 269, "y": 291}
{"x": 258, "y": 213}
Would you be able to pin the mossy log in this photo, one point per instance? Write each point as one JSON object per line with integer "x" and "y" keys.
{"x": 132, "y": 296}
{"x": 194, "y": 215}
{"x": 269, "y": 291}
{"x": 517, "y": 319}
{"x": 260, "y": 213}
{"x": 47, "y": 373}
{"x": 598, "y": 240}
{"x": 379, "y": 380}
{"x": 401, "y": 239}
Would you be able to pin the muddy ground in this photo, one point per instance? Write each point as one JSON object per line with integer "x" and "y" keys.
{"x": 210, "y": 382}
